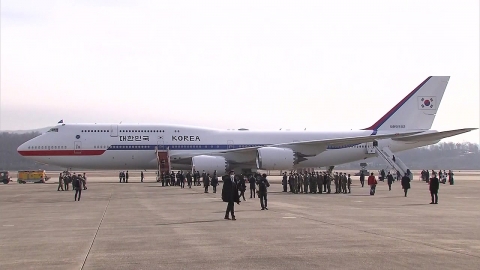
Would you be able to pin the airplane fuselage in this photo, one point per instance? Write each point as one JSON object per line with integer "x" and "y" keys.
{"x": 129, "y": 147}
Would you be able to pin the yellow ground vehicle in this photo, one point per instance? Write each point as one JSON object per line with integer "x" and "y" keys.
{"x": 38, "y": 176}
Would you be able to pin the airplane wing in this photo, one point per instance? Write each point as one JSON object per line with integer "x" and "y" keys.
{"x": 315, "y": 147}
{"x": 433, "y": 136}
{"x": 306, "y": 148}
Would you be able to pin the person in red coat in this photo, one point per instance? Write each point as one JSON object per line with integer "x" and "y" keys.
{"x": 372, "y": 182}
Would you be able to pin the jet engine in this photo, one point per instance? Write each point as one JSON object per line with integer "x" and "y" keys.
{"x": 274, "y": 158}
{"x": 209, "y": 164}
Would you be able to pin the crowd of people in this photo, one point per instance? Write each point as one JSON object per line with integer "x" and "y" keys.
{"x": 78, "y": 181}
{"x": 235, "y": 186}
{"x": 192, "y": 179}
{"x": 442, "y": 176}
{"x": 316, "y": 182}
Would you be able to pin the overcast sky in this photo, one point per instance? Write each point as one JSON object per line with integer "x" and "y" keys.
{"x": 320, "y": 65}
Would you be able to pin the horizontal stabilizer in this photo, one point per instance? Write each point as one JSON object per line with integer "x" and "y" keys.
{"x": 433, "y": 136}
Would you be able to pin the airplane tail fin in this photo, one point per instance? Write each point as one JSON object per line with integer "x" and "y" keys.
{"x": 417, "y": 110}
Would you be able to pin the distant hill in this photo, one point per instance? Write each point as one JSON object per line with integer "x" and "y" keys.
{"x": 9, "y": 157}
{"x": 38, "y": 130}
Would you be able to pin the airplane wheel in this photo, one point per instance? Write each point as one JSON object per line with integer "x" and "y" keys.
{"x": 5, "y": 181}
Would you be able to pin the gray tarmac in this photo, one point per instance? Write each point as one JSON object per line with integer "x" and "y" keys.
{"x": 146, "y": 226}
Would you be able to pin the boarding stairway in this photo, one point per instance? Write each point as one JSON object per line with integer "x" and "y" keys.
{"x": 398, "y": 165}
{"x": 163, "y": 161}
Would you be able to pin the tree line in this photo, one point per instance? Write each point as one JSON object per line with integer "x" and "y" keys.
{"x": 443, "y": 155}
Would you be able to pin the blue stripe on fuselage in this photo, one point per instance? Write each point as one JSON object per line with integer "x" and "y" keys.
{"x": 202, "y": 146}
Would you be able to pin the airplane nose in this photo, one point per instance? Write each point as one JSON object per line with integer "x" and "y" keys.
{"x": 22, "y": 148}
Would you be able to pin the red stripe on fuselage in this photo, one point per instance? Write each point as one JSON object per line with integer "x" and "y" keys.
{"x": 42, "y": 153}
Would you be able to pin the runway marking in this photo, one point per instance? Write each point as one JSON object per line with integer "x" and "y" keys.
{"x": 96, "y": 232}
{"x": 289, "y": 217}
{"x": 357, "y": 201}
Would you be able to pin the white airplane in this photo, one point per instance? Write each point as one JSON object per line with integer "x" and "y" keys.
{"x": 141, "y": 146}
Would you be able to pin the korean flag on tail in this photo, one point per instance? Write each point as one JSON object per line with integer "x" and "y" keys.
{"x": 426, "y": 103}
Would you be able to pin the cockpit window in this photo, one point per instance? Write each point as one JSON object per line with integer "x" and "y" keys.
{"x": 53, "y": 130}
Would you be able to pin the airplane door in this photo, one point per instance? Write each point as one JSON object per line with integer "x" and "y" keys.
{"x": 113, "y": 130}
{"x": 77, "y": 148}
{"x": 230, "y": 145}
{"x": 160, "y": 145}
{"x": 163, "y": 158}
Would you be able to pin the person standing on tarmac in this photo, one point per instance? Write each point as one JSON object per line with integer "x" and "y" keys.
{"x": 230, "y": 194}
{"x": 406, "y": 183}
{"x": 66, "y": 181}
{"x": 434, "y": 186}
{"x": 262, "y": 191}
{"x": 349, "y": 183}
{"x": 344, "y": 180}
{"x": 252, "y": 181}
{"x": 189, "y": 180}
{"x": 206, "y": 182}
{"x": 329, "y": 182}
{"x": 284, "y": 181}
{"x": 362, "y": 178}
{"x": 389, "y": 180}
{"x": 77, "y": 186}
{"x": 84, "y": 181}
{"x": 141, "y": 176}
{"x": 372, "y": 182}
{"x": 242, "y": 186}
{"x": 165, "y": 179}
{"x": 182, "y": 180}
{"x": 60, "y": 182}
{"x": 214, "y": 181}
{"x": 204, "y": 175}
{"x": 450, "y": 177}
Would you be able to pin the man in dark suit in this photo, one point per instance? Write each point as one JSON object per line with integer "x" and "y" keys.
{"x": 262, "y": 191}
{"x": 434, "y": 186}
{"x": 405, "y": 184}
{"x": 230, "y": 194}
{"x": 389, "y": 181}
